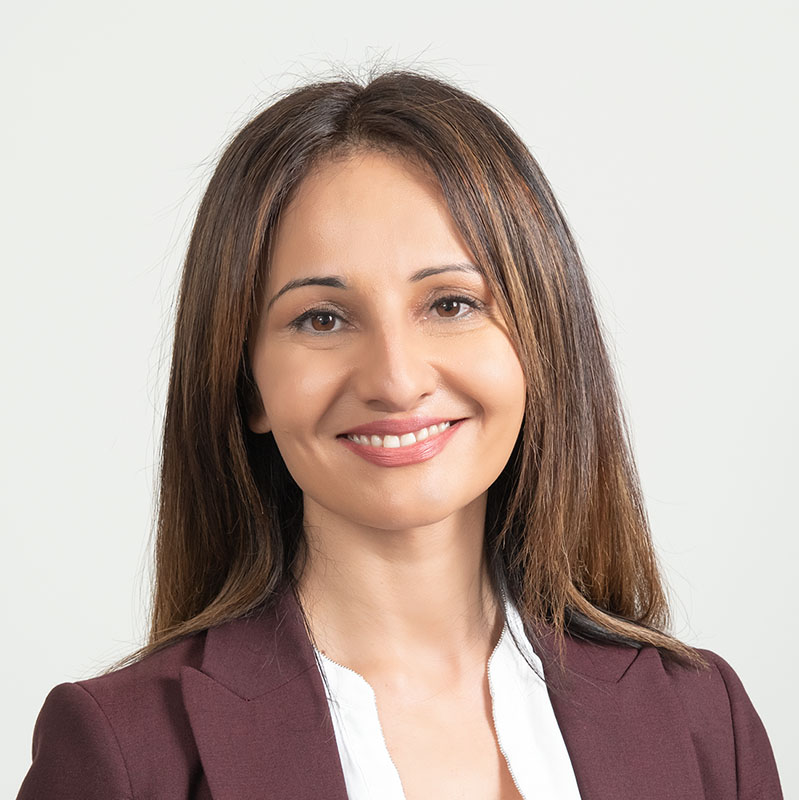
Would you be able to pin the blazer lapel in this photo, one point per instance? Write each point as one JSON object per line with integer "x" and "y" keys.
{"x": 259, "y": 713}
{"x": 260, "y": 717}
{"x": 625, "y": 732}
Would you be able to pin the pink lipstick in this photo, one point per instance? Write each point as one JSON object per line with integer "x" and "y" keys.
{"x": 404, "y": 454}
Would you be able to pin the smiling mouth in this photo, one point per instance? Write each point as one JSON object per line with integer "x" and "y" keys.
{"x": 404, "y": 440}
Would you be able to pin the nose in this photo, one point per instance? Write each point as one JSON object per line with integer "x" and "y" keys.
{"x": 395, "y": 369}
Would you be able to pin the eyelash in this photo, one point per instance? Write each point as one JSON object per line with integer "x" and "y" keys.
{"x": 297, "y": 324}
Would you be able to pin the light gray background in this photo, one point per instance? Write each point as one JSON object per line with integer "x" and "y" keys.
{"x": 669, "y": 132}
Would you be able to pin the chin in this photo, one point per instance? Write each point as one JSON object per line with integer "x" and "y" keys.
{"x": 415, "y": 510}
{"x": 396, "y": 518}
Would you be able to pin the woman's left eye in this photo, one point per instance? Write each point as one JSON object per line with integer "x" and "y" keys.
{"x": 453, "y": 303}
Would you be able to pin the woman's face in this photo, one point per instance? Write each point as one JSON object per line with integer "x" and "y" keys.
{"x": 376, "y": 323}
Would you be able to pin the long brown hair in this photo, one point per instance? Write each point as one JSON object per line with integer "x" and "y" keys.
{"x": 566, "y": 526}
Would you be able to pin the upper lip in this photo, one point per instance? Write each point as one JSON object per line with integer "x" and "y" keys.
{"x": 397, "y": 426}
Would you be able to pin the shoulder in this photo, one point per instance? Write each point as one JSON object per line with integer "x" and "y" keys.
{"x": 147, "y": 684}
{"x": 711, "y": 695}
{"x": 96, "y": 737}
{"x": 717, "y": 695}
{"x": 713, "y": 681}
{"x": 710, "y": 703}
{"x": 144, "y": 696}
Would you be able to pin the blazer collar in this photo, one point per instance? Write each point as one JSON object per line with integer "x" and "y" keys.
{"x": 260, "y": 717}
{"x": 625, "y": 734}
{"x": 259, "y": 712}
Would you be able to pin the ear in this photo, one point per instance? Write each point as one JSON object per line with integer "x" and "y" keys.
{"x": 257, "y": 420}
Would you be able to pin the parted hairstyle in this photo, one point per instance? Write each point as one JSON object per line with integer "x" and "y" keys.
{"x": 566, "y": 527}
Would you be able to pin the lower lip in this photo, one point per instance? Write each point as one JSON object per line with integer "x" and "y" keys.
{"x": 402, "y": 456}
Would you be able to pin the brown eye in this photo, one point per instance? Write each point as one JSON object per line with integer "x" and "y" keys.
{"x": 323, "y": 322}
{"x": 449, "y": 307}
{"x": 317, "y": 320}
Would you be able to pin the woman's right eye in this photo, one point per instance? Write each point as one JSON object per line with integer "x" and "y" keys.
{"x": 321, "y": 320}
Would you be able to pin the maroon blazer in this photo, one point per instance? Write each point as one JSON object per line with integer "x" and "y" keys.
{"x": 239, "y": 713}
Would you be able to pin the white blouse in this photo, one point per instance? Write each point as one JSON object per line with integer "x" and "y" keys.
{"x": 527, "y": 731}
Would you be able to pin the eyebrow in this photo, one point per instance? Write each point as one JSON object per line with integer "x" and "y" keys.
{"x": 337, "y": 282}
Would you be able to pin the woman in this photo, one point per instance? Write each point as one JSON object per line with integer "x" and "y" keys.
{"x": 402, "y": 548}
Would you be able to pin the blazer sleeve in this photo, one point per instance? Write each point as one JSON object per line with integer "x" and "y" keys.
{"x": 75, "y": 751}
{"x": 756, "y": 769}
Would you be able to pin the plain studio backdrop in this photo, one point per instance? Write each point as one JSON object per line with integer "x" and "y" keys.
{"x": 668, "y": 130}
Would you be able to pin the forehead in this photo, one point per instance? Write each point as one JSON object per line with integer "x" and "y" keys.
{"x": 367, "y": 211}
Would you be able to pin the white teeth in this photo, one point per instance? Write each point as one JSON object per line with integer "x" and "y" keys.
{"x": 399, "y": 441}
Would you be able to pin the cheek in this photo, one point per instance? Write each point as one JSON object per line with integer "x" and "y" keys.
{"x": 294, "y": 387}
{"x": 497, "y": 376}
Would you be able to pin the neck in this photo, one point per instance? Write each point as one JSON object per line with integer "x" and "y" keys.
{"x": 400, "y": 602}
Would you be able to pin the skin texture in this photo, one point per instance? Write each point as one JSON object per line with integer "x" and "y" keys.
{"x": 395, "y": 586}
